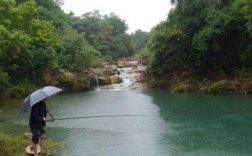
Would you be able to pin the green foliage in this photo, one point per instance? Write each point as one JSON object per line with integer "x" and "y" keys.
{"x": 140, "y": 38}
{"x": 129, "y": 45}
{"x": 181, "y": 88}
{"x": 106, "y": 34}
{"x": 22, "y": 89}
{"x": 14, "y": 145}
{"x": 4, "y": 81}
{"x": 220, "y": 87}
{"x": 11, "y": 145}
{"x": 37, "y": 37}
{"x": 206, "y": 36}
{"x": 144, "y": 54}
{"x": 244, "y": 7}
{"x": 169, "y": 46}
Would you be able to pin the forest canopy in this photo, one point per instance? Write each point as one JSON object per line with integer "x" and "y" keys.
{"x": 206, "y": 37}
{"x": 37, "y": 37}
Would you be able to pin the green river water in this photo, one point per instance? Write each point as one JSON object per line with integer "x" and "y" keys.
{"x": 191, "y": 124}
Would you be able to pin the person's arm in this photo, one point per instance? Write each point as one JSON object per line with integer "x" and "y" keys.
{"x": 46, "y": 111}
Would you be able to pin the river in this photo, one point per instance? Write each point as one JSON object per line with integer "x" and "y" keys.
{"x": 189, "y": 124}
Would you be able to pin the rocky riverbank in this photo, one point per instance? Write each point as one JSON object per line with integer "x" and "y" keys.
{"x": 118, "y": 75}
{"x": 125, "y": 73}
{"x": 179, "y": 84}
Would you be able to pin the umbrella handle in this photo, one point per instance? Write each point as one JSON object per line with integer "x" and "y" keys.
{"x": 52, "y": 120}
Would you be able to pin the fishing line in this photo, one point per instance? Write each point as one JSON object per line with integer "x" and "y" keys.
{"x": 103, "y": 116}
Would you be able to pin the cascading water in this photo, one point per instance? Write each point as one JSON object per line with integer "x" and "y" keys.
{"x": 97, "y": 82}
{"x": 129, "y": 73}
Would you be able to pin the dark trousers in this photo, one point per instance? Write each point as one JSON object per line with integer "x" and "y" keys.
{"x": 36, "y": 134}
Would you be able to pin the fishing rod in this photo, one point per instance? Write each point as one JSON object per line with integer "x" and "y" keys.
{"x": 102, "y": 116}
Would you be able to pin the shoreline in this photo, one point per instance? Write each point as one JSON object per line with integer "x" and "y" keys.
{"x": 220, "y": 86}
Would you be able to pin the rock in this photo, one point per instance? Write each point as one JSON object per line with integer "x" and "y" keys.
{"x": 69, "y": 76}
{"x": 145, "y": 63}
{"x": 111, "y": 63}
{"x": 98, "y": 71}
{"x": 131, "y": 64}
{"x": 109, "y": 72}
{"x": 118, "y": 72}
{"x": 104, "y": 80}
{"x": 109, "y": 80}
{"x": 122, "y": 64}
{"x": 100, "y": 65}
{"x": 116, "y": 79}
{"x": 111, "y": 66}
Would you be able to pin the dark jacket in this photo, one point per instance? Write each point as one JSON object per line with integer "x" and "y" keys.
{"x": 36, "y": 118}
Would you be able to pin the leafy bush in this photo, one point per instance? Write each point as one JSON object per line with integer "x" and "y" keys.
{"x": 181, "y": 88}
{"x": 144, "y": 54}
{"x": 220, "y": 87}
{"x": 4, "y": 81}
{"x": 23, "y": 89}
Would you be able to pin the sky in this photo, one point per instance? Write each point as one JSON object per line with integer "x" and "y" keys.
{"x": 138, "y": 14}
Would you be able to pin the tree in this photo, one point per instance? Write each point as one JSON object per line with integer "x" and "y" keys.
{"x": 119, "y": 25}
{"x": 140, "y": 38}
{"x": 106, "y": 34}
{"x": 22, "y": 33}
{"x": 205, "y": 36}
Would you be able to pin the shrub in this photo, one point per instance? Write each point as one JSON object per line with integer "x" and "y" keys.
{"x": 21, "y": 90}
{"x": 4, "y": 81}
{"x": 181, "y": 88}
{"x": 220, "y": 87}
{"x": 144, "y": 54}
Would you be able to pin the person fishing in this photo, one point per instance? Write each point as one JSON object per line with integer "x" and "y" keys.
{"x": 37, "y": 123}
{"x": 38, "y": 119}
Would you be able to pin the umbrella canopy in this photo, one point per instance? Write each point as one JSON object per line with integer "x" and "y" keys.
{"x": 39, "y": 95}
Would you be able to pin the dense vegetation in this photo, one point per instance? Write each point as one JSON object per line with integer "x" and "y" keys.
{"x": 203, "y": 39}
{"x": 106, "y": 34}
{"x": 13, "y": 145}
{"x": 40, "y": 45}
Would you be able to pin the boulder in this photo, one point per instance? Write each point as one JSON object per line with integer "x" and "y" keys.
{"x": 111, "y": 66}
{"x": 116, "y": 79}
{"x": 122, "y": 64}
{"x": 98, "y": 71}
{"x": 69, "y": 76}
{"x": 118, "y": 72}
{"x": 145, "y": 63}
{"x": 109, "y": 80}
{"x": 109, "y": 72}
{"x": 104, "y": 80}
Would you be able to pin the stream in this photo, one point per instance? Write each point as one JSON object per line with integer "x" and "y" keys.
{"x": 189, "y": 124}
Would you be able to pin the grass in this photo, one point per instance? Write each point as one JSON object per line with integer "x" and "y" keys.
{"x": 11, "y": 145}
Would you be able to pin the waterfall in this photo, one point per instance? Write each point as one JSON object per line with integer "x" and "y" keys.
{"x": 97, "y": 82}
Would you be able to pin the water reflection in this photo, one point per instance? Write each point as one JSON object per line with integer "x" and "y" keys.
{"x": 206, "y": 124}
{"x": 189, "y": 124}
